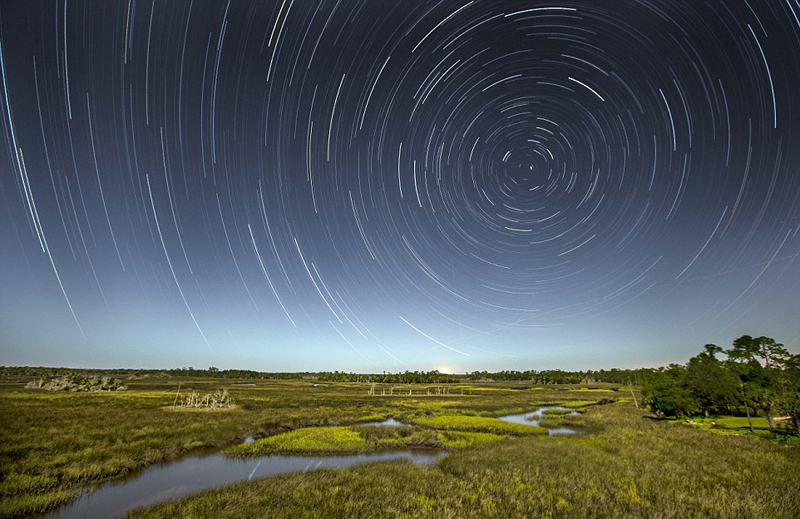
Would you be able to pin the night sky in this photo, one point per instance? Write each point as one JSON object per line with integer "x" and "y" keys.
{"x": 369, "y": 185}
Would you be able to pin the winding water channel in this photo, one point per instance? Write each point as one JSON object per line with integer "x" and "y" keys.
{"x": 197, "y": 472}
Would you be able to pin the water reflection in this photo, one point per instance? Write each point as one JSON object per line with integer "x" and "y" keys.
{"x": 390, "y": 422}
{"x": 534, "y": 417}
{"x": 195, "y": 473}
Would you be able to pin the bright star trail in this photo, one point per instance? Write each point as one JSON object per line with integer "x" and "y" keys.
{"x": 371, "y": 185}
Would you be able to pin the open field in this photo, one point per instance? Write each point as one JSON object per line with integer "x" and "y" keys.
{"x": 54, "y": 445}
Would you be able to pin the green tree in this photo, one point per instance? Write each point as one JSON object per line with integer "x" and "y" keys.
{"x": 789, "y": 399}
{"x": 665, "y": 393}
{"x": 758, "y": 362}
{"x": 741, "y": 360}
{"x": 712, "y": 385}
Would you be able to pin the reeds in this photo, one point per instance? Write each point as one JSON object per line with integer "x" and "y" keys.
{"x": 220, "y": 399}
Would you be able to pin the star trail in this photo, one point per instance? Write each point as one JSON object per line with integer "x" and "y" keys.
{"x": 369, "y": 185}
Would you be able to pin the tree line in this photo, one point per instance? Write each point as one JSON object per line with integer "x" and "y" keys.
{"x": 758, "y": 375}
{"x": 407, "y": 377}
{"x": 557, "y": 376}
{"x": 212, "y": 372}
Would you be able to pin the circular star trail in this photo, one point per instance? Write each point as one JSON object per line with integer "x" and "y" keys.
{"x": 390, "y": 185}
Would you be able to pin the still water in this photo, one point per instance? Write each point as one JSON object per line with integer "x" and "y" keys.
{"x": 390, "y": 422}
{"x": 194, "y": 473}
{"x": 534, "y": 417}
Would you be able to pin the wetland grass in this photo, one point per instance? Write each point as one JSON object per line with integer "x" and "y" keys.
{"x": 627, "y": 465}
{"x": 55, "y": 445}
{"x": 478, "y": 424}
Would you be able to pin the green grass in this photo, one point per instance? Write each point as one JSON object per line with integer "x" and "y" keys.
{"x": 557, "y": 412}
{"x": 561, "y": 418}
{"x": 373, "y": 418}
{"x": 359, "y": 439}
{"x": 628, "y": 465}
{"x": 455, "y": 440}
{"x": 579, "y": 403}
{"x": 478, "y": 424}
{"x": 593, "y": 390}
{"x": 313, "y": 440}
{"x": 784, "y": 432}
{"x": 554, "y": 423}
{"x": 55, "y": 445}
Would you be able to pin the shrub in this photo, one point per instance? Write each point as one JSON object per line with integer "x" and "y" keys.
{"x": 78, "y": 383}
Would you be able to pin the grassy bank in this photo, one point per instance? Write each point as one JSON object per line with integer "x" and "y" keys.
{"x": 628, "y": 466}
{"x": 478, "y": 424}
{"x": 359, "y": 439}
{"x": 573, "y": 422}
